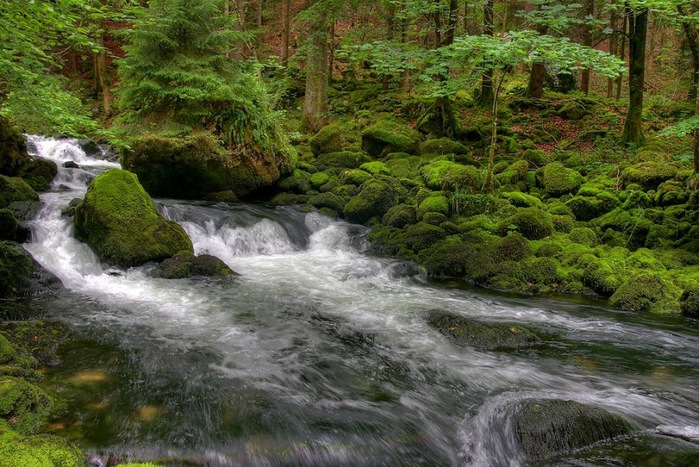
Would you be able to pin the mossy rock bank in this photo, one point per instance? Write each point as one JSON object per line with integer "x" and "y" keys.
{"x": 36, "y": 451}
{"x": 387, "y": 136}
{"x": 480, "y": 335}
{"x": 198, "y": 166}
{"x": 21, "y": 275}
{"x": 14, "y": 189}
{"x": 123, "y": 225}
{"x": 546, "y": 428}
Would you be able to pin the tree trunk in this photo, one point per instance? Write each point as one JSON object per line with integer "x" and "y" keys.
{"x": 316, "y": 99}
{"x": 453, "y": 16}
{"x": 613, "y": 46}
{"x": 696, "y": 134}
{"x": 638, "y": 28}
{"x": 437, "y": 16}
{"x": 485, "y": 97}
{"x": 102, "y": 74}
{"x": 588, "y": 10}
{"x": 286, "y": 29}
{"x": 535, "y": 88}
{"x": 622, "y": 54}
{"x": 692, "y": 34}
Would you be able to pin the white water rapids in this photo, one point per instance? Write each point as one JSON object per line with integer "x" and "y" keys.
{"x": 319, "y": 354}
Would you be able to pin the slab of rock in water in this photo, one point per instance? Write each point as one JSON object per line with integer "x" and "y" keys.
{"x": 188, "y": 265}
{"x": 545, "y": 428}
{"x": 480, "y": 335}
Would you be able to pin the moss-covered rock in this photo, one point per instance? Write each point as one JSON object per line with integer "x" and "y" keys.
{"x": 122, "y": 224}
{"x": 533, "y": 223}
{"x": 10, "y": 229}
{"x": 375, "y": 168}
{"x": 319, "y": 179}
{"x": 422, "y": 235}
{"x": 689, "y": 301}
{"x": 649, "y": 174}
{"x": 447, "y": 258}
{"x": 586, "y": 208}
{"x": 374, "y": 199}
{"x": 39, "y": 173}
{"x": 387, "y": 136}
{"x": 13, "y": 149}
{"x": 646, "y": 292}
{"x": 584, "y": 235}
{"x": 328, "y": 200}
{"x": 298, "y": 182}
{"x": 442, "y": 146}
{"x": 15, "y": 189}
{"x": 184, "y": 265}
{"x": 436, "y": 202}
{"x": 481, "y": 335}
{"x": 522, "y": 200}
{"x": 400, "y": 215}
{"x": 195, "y": 166}
{"x": 330, "y": 138}
{"x": 21, "y": 275}
{"x": 342, "y": 159}
{"x": 24, "y": 405}
{"x": 546, "y": 428}
{"x": 558, "y": 180}
{"x": 446, "y": 175}
{"x": 36, "y": 451}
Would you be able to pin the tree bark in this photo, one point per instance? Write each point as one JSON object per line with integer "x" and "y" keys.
{"x": 638, "y": 28}
{"x": 692, "y": 34}
{"x": 485, "y": 97}
{"x": 286, "y": 29}
{"x": 535, "y": 88}
{"x": 315, "y": 102}
{"x": 613, "y": 46}
{"x": 453, "y": 16}
{"x": 588, "y": 10}
{"x": 102, "y": 74}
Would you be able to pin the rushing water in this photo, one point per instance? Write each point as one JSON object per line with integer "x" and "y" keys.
{"x": 319, "y": 354}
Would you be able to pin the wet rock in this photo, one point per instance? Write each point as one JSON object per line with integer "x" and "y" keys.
{"x": 123, "y": 225}
{"x": 25, "y": 210}
{"x": 22, "y": 275}
{"x": 10, "y": 228}
{"x": 545, "y": 428}
{"x": 39, "y": 173}
{"x": 187, "y": 265}
{"x": 70, "y": 165}
{"x": 69, "y": 211}
{"x": 480, "y": 335}
{"x": 15, "y": 189}
{"x": 24, "y": 405}
{"x": 16, "y": 449}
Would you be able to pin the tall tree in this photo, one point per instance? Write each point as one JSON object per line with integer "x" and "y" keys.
{"x": 315, "y": 102}
{"x": 637, "y": 21}
{"x": 485, "y": 96}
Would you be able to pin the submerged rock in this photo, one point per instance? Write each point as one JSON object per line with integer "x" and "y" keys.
{"x": 123, "y": 225}
{"x": 187, "y": 265}
{"x": 545, "y": 428}
{"x": 21, "y": 275}
{"x": 480, "y": 335}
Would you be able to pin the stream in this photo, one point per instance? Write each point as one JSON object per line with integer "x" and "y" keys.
{"x": 321, "y": 354}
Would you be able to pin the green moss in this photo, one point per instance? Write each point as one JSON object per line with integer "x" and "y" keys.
{"x": 548, "y": 249}
{"x": 546, "y": 428}
{"x": 533, "y": 223}
{"x": 468, "y": 205}
{"x": 330, "y": 138}
{"x": 187, "y": 265}
{"x": 400, "y": 216}
{"x": 481, "y": 335}
{"x": 602, "y": 277}
{"x": 422, "y": 235}
{"x": 446, "y": 175}
{"x": 646, "y": 292}
{"x": 436, "y": 202}
{"x": 563, "y": 224}
{"x": 442, "y": 146}
{"x": 298, "y": 182}
{"x": 15, "y": 189}
{"x": 558, "y": 180}
{"x": 23, "y": 405}
{"x": 39, "y": 173}
{"x": 354, "y": 177}
{"x": 328, "y": 200}
{"x": 522, "y": 200}
{"x": 447, "y": 258}
{"x": 649, "y": 174}
{"x": 319, "y": 179}
{"x": 374, "y": 199}
{"x": 388, "y": 240}
{"x": 388, "y": 136}
{"x": 586, "y": 208}
{"x": 671, "y": 193}
{"x": 637, "y": 199}
{"x": 585, "y": 236}
{"x": 375, "y": 168}
{"x": 643, "y": 258}
{"x": 689, "y": 301}
{"x": 16, "y": 269}
{"x": 541, "y": 271}
{"x": 343, "y": 159}
{"x": 7, "y": 351}
{"x": 514, "y": 247}
{"x": 122, "y": 224}
{"x": 36, "y": 451}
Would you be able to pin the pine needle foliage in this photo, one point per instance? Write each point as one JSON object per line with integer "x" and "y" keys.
{"x": 178, "y": 77}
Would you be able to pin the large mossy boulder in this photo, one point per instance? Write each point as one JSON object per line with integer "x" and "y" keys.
{"x": 13, "y": 149}
{"x": 374, "y": 200}
{"x": 330, "y": 138}
{"x": 197, "y": 166}
{"x": 646, "y": 292}
{"x": 446, "y": 175}
{"x": 387, "y": 136}
{"x": 547, "y": 428}
{"x": 649, "y": 174}
{"x": 482, "y": 335}
{"x": 14, "y": 189}
{"x": 24, "y": 405}
{"x": 532, "y": 223}
{"x": 21, "y": 275}
{"x": 559, "y": 180}
{"x": 123, "y": 225}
